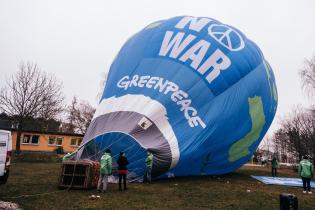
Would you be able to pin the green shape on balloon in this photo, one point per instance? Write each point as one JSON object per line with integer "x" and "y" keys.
{"x": 241, "y": 147}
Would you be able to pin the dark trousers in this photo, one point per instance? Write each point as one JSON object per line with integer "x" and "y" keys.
{"x": 147, "y": 175}
{"x": 306, "y": 183}
{"x": 274, "y": 171}
{"x": 122, "y": 176}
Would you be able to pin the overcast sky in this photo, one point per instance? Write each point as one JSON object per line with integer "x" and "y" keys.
{"x": 77, "y": 40}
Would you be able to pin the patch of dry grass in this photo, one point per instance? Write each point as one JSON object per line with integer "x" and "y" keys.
{"x": 206, "y": 192}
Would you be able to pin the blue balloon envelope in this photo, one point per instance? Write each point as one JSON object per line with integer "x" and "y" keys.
{"x": 193, "y": 91}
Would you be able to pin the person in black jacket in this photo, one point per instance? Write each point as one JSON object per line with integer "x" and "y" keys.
{"x": 122, "y": 169}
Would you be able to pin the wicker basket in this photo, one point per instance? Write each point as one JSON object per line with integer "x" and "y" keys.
{"x": 79, "y": 174}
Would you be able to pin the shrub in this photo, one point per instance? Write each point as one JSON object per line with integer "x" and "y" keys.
{"x": 59, "y": 150}
{"x": 36, "y": 157}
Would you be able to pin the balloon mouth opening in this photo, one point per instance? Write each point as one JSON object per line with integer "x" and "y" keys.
{"x": 132, "y": 133}
{"x": 118, "y": 142}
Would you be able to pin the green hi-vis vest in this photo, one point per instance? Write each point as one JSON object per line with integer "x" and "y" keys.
{"x": 106, "y": 164}
{"x": 306, "y": 169}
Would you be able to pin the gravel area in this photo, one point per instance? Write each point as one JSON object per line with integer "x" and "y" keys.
{"x": 9, "y": 206}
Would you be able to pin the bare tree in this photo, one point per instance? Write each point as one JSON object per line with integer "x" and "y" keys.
{"x": 84, "y": 116}
{"x": 31, "y": 93}
{"x": 296, "y": 135}
{"x": 295, "y": 138}
{"x": 267, "y": 146}
{"x": 79, "y": 116}
{"x": 308, "y": 76}
{"x": 71, "y": 113}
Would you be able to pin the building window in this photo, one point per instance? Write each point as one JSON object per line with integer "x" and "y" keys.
{"x": 26, "y": 139}
{"x": 73, "y": 142}
{"x": 59, "y": 141}
{"x": 79, "y": 141}
{"x": 76, "y": 142}
{"x": 30, "y": 139}
{"x": 52, "y": 140}
{"x": 55, "y": 141}
{"x": 35, "y": 139}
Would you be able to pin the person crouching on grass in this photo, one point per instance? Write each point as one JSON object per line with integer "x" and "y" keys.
{"x": 105, "y": 171}
{"x": 122, "y": 169}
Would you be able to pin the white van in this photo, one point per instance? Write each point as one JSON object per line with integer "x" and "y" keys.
{"x": 5, "y": 155}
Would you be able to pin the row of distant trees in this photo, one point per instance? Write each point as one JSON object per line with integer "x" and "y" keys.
{"x": 31, "y": 95}
{"x": 296, "y": 135}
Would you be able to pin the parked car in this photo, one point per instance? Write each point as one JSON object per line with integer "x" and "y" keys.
{"x": 5, "y": 155}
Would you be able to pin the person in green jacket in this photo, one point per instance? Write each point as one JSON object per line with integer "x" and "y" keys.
{"x": 105, "y": 171}
{"x": 274, "y": 166}
{"x": 149, "y": 164}
{"x": 306, "y": 172}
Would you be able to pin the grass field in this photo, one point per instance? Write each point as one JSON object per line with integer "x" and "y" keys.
{"x": 204, "y": 192}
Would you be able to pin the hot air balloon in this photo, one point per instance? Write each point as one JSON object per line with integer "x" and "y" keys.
{"x": 195, "y": 92}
